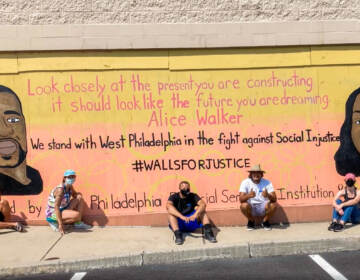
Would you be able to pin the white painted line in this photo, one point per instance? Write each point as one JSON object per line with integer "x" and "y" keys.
{"x": 327, "y": 267}
{"x": 78, "y": 276}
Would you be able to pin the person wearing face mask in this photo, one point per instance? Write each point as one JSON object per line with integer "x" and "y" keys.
{"x": 186, "y": 213}
{"x": 65, "y": 205}
{"x": 346, "y": 205}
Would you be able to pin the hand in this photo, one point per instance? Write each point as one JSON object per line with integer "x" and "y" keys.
{"x": 265, "y": 193}
{"x": 185, "y": 219}
{"x": 252, "y": 194}
{"x": 338, "y": 207}
{"x": 193, "y": 217}
{"x": 341, "y": 212}
{"x": 61, "y": 229}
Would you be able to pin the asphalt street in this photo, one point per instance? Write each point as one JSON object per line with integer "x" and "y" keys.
{"x": 327, "y": 266}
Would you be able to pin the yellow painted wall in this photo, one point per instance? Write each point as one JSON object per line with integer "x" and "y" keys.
{"x": 297, "y": 168}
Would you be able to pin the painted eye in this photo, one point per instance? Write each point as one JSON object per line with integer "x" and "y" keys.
{"x": 13, "y": 120}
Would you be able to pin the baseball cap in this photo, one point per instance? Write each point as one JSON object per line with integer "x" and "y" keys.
{"x": 69, "y": 172}
{"x": 350, "y": 176}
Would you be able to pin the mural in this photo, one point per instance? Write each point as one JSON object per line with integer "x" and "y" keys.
{"x": 132, "y": 133}
{"x": 347, "y": 157}
{"x": 16, "y": 178}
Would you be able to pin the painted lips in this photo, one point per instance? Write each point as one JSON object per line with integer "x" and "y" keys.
{"x": 7, "y": 147}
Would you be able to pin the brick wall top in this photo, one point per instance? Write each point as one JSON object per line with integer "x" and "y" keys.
{"x": 40, "y": 12}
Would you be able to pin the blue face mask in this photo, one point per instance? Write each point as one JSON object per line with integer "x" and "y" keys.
{"x": 69, "y": 181}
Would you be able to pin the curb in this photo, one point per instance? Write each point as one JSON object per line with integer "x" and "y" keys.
{"x": 239, "y": 251}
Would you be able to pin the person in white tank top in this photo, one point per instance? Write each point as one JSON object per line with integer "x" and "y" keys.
{"x": 65, "y": 205}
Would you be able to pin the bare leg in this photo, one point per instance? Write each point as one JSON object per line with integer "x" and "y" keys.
{"x": 246, "y": 210}
{"x": 269, "y": 210}
{"x": 5, "y": 210}
{"x": 204, "y": 219}
{"x": 173, "y": 222}
{"x": 74, "y": 212}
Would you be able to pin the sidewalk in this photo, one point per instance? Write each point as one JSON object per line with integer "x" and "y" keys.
{"x": 42, "y": 250}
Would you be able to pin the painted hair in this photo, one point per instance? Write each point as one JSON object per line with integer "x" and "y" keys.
{"x": 8, "y": 90}
{"x": 347, "y": 157}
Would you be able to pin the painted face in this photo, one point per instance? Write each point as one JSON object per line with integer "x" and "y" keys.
{"x": 256, "y": 176}
{"x": 13, "y": 145}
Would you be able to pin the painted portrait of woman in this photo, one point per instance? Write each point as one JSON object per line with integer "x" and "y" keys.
{"x": 347, "y": 157}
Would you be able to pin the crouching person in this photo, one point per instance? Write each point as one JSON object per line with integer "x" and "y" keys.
{"x": 5, "y": 217}
{"x": 65, "y": 205}
{"x": 258, "y": 198}
{"x": 186, "y": 213}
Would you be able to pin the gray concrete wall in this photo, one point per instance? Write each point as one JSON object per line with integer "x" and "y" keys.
{"x": 43, "y": 12}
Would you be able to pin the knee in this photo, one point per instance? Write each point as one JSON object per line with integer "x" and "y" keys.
{"x": 338, "y": 201}
{"x": 5, "y": 204}
{"x": 272, "y": 206}
{"x": 245, "y": 206}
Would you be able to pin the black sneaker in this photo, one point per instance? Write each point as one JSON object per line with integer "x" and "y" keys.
{"x": 332, "y": 226}
{"x": 250, "y": 225}
{"x": 178, "y": 238}
{"x": 266, "y": 225}
{"x": 209, "y": 236}
{"x": 338, "y": 227}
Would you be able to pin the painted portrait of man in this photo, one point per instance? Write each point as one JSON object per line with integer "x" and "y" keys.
{"x": 347, "y": 157}
{"x": 16, "y": 178}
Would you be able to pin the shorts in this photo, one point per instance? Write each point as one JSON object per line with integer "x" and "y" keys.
{"x": 2, "y": 217}
{"x": 258, "y": 209}
{"x": 190, "y": 226}
{"x": 51, "y": 216}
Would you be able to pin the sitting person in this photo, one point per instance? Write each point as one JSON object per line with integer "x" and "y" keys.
{"x": 5, "y": 217}
{"x": 65, "y": 205}
{"x": 186, "y": 213}
{"x": 257, "y": 198}
{"x": 346, "y": 205}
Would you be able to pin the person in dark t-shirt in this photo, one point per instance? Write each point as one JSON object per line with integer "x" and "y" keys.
{"x": 186, "y": 213}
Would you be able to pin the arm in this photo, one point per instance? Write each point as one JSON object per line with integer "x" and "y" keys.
{"x": 351, "y": 202}
{"x": 199, "y": 210}
{"x": 74, "y": 193}
{"x": 337, "y": 196}
{"x": 173, "y": 211}
{"x": 246, "y": 196}
{"x": 58, "y": 197}
{"x": 272, "y": 196}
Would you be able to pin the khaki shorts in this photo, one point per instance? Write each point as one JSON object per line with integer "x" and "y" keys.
{"x": 258, "y": 209}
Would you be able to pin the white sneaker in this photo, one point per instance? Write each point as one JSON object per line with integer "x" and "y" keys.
{"x": 81, "y": 225}
{"x": 54, "y": 226}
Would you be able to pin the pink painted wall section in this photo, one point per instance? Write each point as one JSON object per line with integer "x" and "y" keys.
{"x": 132, "y": 136}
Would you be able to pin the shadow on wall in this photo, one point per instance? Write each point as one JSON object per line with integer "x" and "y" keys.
{"x": 280, "y": 217}
{"x": 95, "y": 216}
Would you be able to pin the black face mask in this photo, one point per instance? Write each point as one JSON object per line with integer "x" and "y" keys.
{"x": 350, "y": 183}
{"x": 185, "y": 192}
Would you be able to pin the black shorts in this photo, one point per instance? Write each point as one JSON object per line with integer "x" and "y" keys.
{"x": 2, "y": 217}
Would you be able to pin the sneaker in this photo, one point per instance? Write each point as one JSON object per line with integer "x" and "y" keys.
{"x": 81, "y": 225}
{"x": 332, "y": 226}
{"x": 250, "y": 225}
{"x": 338, "y": 227}
{"x": 266, "y": 225}
{"x": 209, "y": 236}
{"x": 178, "y": 238}
{"x": 54, "y": 226}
